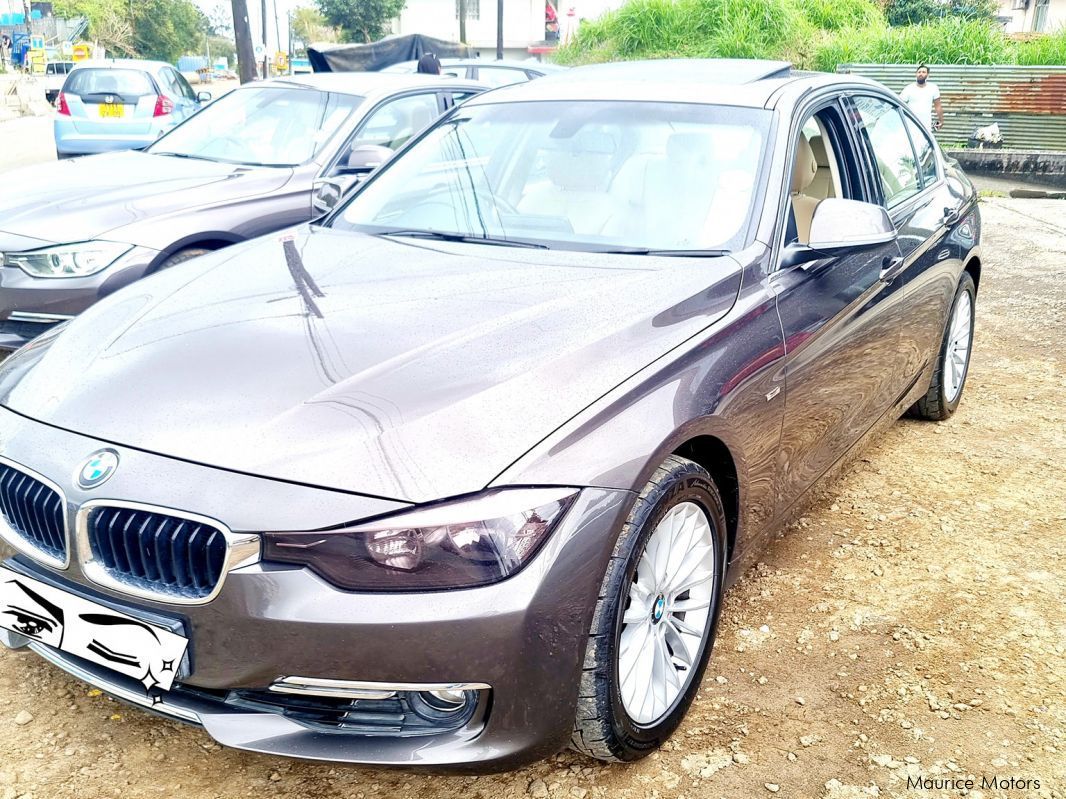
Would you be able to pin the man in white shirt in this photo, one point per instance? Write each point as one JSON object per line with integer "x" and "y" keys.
{"x": 922, "y": 97}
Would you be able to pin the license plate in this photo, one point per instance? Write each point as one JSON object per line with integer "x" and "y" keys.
{"x": 112, "y": 110}
{"x": 146, "y": 652}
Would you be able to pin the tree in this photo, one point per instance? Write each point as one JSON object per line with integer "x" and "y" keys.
{"x": 220, "y": 20}
{"x": 157, "y": 29}
{"x": 167, "y": 29}
{"x": 361, "y": 20}
{"x": 915, "y": 12}
{"x": 110, "y": 24}
{"x": 309, "y": 26}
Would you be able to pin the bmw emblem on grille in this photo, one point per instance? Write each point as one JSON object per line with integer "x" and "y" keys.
{"x": 98, "y": 468}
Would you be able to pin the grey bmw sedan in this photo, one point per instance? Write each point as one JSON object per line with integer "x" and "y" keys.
{"x": 458, "y": 475}
{"x": 263, "y": 157}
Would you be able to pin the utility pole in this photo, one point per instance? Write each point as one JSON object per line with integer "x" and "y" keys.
{"x": 499, "y": 30}
{"x": 266, "y": 50}
{"x": 462, "y": 21}
{"x": 242, "y": 34}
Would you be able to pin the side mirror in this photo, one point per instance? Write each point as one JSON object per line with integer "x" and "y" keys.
{"x": 839, "y": 227}
{"x": 364, "y": 159}
{"x": 327, "y": 193}
{"x": 203, "y": 97}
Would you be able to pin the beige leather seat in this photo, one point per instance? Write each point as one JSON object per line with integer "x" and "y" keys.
{"x": 822, "y": 185}
{"x": 803, "y": 204}
{"x": 577, "y": 189}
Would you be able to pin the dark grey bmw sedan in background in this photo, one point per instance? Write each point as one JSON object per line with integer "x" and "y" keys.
{"x": 458, "y": 476}
{"x": 249, "y": 163}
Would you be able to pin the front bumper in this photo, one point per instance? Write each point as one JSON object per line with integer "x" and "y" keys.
{"x": 30, "y": 306}
{"x": 524, "y": 637}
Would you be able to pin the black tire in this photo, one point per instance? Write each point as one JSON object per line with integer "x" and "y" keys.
{"x": 181, "y": 256}
{"x": 603, "y": 729}
{"x": 936, "y": 406}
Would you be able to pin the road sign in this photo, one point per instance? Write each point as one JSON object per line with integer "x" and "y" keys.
{"x": 259, "y": 50}
{"x": 36, "y": 42}
{"x": 82, "y": 52}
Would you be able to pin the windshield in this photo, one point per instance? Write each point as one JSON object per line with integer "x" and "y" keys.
{"x": 575, "y": 175}
{"x": 268, "y": 126}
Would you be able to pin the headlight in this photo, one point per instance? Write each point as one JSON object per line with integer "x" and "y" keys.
{"x": 452, "y": 545}
{"x": 68, "y": 260}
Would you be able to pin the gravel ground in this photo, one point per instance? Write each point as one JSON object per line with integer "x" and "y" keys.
{"x": 909, "y": 625}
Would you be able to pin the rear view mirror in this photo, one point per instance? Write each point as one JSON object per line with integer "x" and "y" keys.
{"x": 327, "y": 193}
{"x": 203, "y": 97}
{"x": 839, "y": 227}
{"x": 847, "y": 224}
{"x": 365, "y": 159}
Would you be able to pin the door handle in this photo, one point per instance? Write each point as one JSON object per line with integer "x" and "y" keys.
{"x": 951, "y": 216}
{"x": 891, "y": 268}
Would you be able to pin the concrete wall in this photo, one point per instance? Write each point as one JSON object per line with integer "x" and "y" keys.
{"x": 1023, "y": 20}
{"x": 1041, "y": 165}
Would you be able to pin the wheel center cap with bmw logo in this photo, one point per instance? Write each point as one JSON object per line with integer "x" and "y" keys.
{"x": 98, "y": 468}
{"x": 660, "y": 608}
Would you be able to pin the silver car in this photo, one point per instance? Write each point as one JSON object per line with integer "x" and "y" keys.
{"x": 120, "y": 104}
{"x": 263, "y": 157}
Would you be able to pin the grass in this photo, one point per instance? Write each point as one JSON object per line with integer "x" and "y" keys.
{"x": 1046, "y": 50}
{"x": 690, "y": 28}
{"x": 813, "y": 34}
{"x": 835, "y": 15}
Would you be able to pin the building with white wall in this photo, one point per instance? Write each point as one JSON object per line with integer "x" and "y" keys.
{"x": 524, "y": 21}
{"x": 1036, "y": 16}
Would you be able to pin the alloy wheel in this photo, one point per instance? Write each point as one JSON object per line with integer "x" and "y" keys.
{"x": 665, "y": 622}
{"x": 957, "y": 353}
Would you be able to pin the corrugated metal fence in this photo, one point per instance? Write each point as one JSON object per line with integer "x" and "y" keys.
{"x": 1028, "y": 103}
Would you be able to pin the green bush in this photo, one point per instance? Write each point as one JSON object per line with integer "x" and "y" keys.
{"x": 1045, "y": 51}
{"x": 834, "y": 15}
{"x": 817, "y": 34}
{"x": 947, "y": 41}
{"x": 690, "y": 28}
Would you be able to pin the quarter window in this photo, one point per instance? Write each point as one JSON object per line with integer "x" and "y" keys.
{"x": 924, "y": 150}
{"x": 882, "y": 123}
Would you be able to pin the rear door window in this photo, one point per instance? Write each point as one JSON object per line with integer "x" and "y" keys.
{"x": 882, "y": 125}
{"x": 501, "y": 76}
{"x": 126, "y": 83}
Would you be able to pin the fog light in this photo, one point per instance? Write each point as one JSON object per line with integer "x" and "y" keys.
{"x": 441, "y": 703}
{"x": 447, "y": 700}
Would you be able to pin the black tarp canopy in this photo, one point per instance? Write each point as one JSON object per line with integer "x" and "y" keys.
{"x": 386, "y": 52}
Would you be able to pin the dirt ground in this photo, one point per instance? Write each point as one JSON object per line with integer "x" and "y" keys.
{"x": 911, "y": 624}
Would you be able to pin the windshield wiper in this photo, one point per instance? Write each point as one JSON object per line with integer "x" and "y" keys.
{"x": 665, "y": 253}
{"x": 181, "y": 155}
{"x": 459, "y": 237}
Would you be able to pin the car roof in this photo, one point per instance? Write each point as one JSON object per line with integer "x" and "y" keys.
{"x": 714, "y": 81}
{"x": 365, "y": 83}
{"x": 530, "y": 65}
{"x": 122, "y": 63}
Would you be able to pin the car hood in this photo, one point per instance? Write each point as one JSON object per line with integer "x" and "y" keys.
{"x": 85, "y": 198}
{"x": 390, "y": 367}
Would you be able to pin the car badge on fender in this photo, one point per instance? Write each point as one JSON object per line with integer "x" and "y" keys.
{"x": 98, "y": 468}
